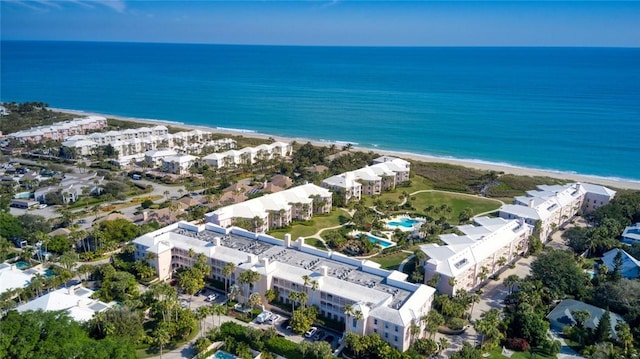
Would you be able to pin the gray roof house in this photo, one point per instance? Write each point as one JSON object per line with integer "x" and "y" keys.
{"x": 561, "y": 316}
{"x": 630, "y": 266}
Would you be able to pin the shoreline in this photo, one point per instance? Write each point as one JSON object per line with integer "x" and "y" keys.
{"x": 616, "y": 183}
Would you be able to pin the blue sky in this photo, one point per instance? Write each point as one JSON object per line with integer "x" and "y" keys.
{"x": 381, "y": 23}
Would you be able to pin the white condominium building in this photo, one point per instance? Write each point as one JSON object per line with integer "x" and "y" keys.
{"x": 468, "y": 260}
{"x": 276, "y": 209}
{"x": 135, "y": 141}
{"x": 61, "y": 130}
{"x": 551, "y": 206}
{"x": 388, "y": 303}
{"x": 248, "y": 155}
{"x": 385, "y": 174}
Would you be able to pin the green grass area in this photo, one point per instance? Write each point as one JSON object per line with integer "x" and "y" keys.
{"x": 335, "y": 218}
{"x": 391, "y": 261}
{"x": 316, "y": 243}
{"x": 417, "y": 184}
{"x": 457, "y": 202}
{"x": 496, "y": 353}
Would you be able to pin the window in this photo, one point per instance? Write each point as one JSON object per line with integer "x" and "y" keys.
{"x": 386, "y": 335}
{"x": 396, "y": 328}
{"x": 375, "y": 330}
{"x": 396, "y": 338}
{"x": 386, "y": 326}
{"x": 375, "y": 321}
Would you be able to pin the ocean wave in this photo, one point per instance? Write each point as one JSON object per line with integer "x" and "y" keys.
{"x": 235, "y": 129}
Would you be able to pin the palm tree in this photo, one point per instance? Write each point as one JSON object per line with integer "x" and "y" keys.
{"x": 293, "y": 297}
{"x": 201, "y": 315}
{"x": 248, "y": 278}
{"x": 162, "y": 336}
{"x": 227, "y": 270}
{"x": 357, "y": 316}
{"x": 219, "y": 310}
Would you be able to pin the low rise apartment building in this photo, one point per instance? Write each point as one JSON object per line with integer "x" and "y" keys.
{"x": 549, "y": 207}
{"x": 275, "y": 210}
{"x": 60, "y": 131}
{"x": 383, "y": 175}
{"x": 248, "y": 155}
{"x": 388, "y": 304}
{"x": 467, "y": 261}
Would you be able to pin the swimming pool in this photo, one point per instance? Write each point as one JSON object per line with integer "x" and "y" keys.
{"x": 380, "y": 241}
{"x": 22, "y": 265}
{"x": 49, "y": 273}
{"x": 223, "y": 355}
{"x": 403, "y": 222}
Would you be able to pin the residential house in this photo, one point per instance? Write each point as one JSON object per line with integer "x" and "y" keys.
{"x": 631, "y": 234}
{"x": 630, "y": 268}
{"x": 562, "y": 316}
{"x": 76, "y": 301}
{"x": 179, "y": 164}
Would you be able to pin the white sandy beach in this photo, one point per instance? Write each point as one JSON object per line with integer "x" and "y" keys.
{"x": 521, "y": 171}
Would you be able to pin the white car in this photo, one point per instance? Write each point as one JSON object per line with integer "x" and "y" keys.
{"x": 311, "y": 332}
{"x": 273, "y": 318}
{"x": 42, "y": 206}
{"x": 210, "y": 298}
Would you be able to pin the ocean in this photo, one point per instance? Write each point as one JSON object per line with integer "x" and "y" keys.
{"x": 571, "y": 110}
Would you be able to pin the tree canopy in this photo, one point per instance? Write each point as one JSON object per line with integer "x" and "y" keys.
{"x": 560, "y": 273}
{"x": 54, "y": 335}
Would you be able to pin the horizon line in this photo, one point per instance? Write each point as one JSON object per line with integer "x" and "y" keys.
{"x": 324, "y": 45}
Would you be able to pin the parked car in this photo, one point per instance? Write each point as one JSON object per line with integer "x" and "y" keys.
{"x": 42, "y": 206}
{"x": 210, "y": 298}
{"x": 319, "y": 335}
{"x": 311, "y": 332}
{"x": 264, "y": 316}
{"x": 273, "y": 318}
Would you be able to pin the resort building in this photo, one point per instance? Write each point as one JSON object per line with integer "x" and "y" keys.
{"x": 549, "y": 207}
{"x": 384, "y": 175}
{"x": 467, "y": 261}
{"x": 631, "y": 234}
{"x": 346, "y": 185}
{"x": 154, "y": 158}
{"x": 387, "y": 304}
{"x": 131, "y": 142}
{"x": 248, "y": 155}
{"x": 61, "y": 130}
{"x": 179, "y": 164}
{"x": 76, "y": 301}
{"x": 275, "y": 210}
{"x": 596, "y": 196}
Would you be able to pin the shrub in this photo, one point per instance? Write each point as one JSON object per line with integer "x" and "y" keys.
{"x": 283, "y": 347}
{"x": 456, "y": 323}
{"x": 518, "y": 344}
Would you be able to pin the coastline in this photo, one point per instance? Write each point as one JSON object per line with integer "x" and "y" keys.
{"x": 615, "y": 183}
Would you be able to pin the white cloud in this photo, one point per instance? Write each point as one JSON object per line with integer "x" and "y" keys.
{"x": 117, "y": 5}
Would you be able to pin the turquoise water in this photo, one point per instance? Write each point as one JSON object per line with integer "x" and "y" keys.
{"x": 403, "y": 222}
{"x": 563, "y": 109}
{"x": 379, "y": 241}
{"x": 223, "y": 355}
{"x": 49, "y": 273}
{"x": 22, "y": 265}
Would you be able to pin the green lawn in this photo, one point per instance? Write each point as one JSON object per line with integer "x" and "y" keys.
{"x": 314, "y": 225}
{"x": 417, "y": 184}
{"x": 457, "y": 202}
{"x": 316, "y": 243}
{"x": 391, "y": 261}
